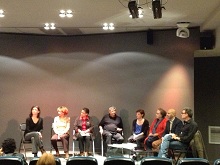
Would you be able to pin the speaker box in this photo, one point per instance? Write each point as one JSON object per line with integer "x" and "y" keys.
{"x": 150, "y": 38}
{"x": 207, "y": 40}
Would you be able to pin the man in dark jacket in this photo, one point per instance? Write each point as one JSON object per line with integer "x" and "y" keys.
{"x": 174, "y": 124}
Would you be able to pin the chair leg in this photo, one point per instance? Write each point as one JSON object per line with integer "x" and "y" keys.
{"x": 73, "y": 148}
{"x": 24, "y": 150}
{"x": 93, "y": 147}
{"x": 19, "y": 150}
{"x": 102, "y": 146}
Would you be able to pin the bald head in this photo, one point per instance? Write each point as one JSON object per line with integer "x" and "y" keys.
{"x": 171, "y": 113}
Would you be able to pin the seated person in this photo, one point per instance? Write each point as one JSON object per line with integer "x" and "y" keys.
{"x": 34, "y": 129}
{"x": 157, "y": 128}
{"x": 140, "y": 127}
{"x": 181, "y": 140}
{"x": 61, "y": 128}
{"x": 8, "y": 149}
{"x": 83, "y": 127}
{"x": 111, "y": 126}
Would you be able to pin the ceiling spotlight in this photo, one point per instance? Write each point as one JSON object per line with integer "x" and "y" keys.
{"x": 109, "y": 26}
{"x": 182, "y": 31}
{"x": 48, "y": 26}
{"x": 62, "y": 13}
{"x": 156, "y": 7}
{"x": 68, "y": 13}
{"x": 2, "y": 13}
{"x": 133, "y": 9}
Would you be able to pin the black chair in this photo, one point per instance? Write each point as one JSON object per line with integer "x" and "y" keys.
{"x": 155, "y": 161}
{"x": 193, "y": 161}
{"x": 119, "y": 161}
{"x": 93, "y": 145}
{"x": 23, "y": 142}
{"x": 81, "y": 160}
{"x": 217, "y": 162}
{"x": 34, "y": 160}
{"x": 11, "y": 160}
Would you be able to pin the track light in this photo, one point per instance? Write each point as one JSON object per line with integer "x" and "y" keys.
{"x": 48, "y": 26}
{"x": 133, "y": 9}
{"x": 67, "y": 13}
{"x": 2, "y": 13}
{"x": 156, "y": 7}
{"x": 109, "y": 26}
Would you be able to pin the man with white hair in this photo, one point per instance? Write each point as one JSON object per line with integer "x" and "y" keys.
{"x": 111, "y": 126}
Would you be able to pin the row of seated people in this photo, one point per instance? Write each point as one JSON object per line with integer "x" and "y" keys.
{"x": 172, "y": 130}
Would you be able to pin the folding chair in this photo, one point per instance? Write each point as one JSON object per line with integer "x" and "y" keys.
{"x": 91, "y": 139}
{"x": 23, "y": 142}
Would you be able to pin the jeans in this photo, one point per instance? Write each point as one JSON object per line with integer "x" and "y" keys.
{"x": 167, "y": 143}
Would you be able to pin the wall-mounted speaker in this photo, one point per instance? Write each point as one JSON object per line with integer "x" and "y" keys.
{"x": 207, "y": 40}
{"x": 150, "y": 37}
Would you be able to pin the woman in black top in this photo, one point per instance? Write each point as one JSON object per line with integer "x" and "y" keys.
{"x": 140, "y": 127}
{"x": 34, "y": 128}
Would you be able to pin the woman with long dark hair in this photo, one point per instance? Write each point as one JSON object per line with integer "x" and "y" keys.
{"x": 34, "y": 129}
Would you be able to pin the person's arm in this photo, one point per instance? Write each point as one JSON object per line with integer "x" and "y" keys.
{"x": 101, "y": 125}
{"x": 119, "y": 125}
{"x": 76, "y": 125}
{"x": 145, "y": 127}
{"x": 91, "y": 127}
{"x": 41, "y": 125}
{"x": 55, "y": 125}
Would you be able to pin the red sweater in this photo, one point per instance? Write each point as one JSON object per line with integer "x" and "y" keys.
{"x": 160, "y": 128}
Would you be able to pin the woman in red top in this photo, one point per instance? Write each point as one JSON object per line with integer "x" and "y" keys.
{"x": 83, "y": 127}
{"x": 157, "y": 128}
